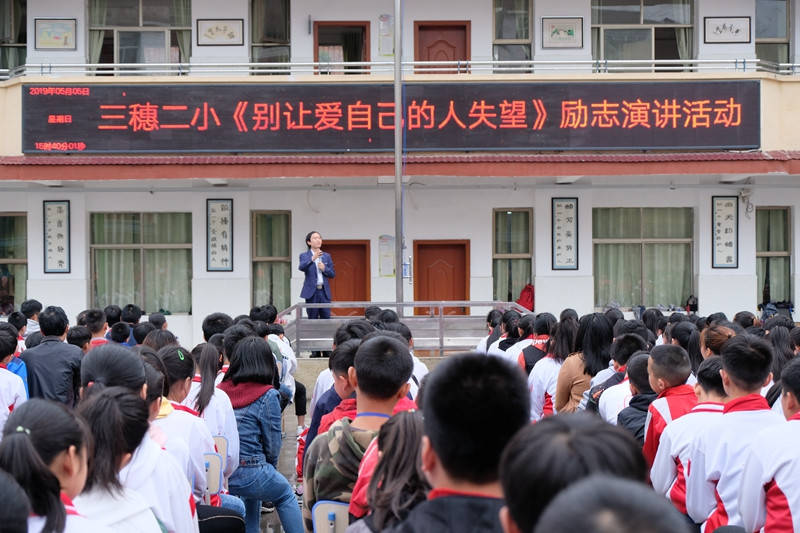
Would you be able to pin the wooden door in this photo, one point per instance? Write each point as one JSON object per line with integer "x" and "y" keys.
{"x": 441, "y": 272}
{"x": 441, "y": 41}
{"x": 352, "y": 281}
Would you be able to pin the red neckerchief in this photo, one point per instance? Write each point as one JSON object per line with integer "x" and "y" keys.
{"x": 750, "y": 402}
{"x": 443, "y": 493}
{"x": 680, "y": 390}
{"x": 197, "y": 379}
{"x": 179, "y": 407}
{"x": 3, "y": 365}
{"x": 795, "y": 416}
{"x": 69, "y": 507}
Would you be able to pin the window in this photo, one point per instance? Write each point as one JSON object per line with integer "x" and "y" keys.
{"x": 272, "y": 262}
{"x": 13, "y": 261}
{"x": 14, "y": 33}
{"x": 336, "y": 42}
{"x": 142, "y": 258}
{"x": 142, "y": 31}
{"x": 772, "y": 30}
{"x": 642, "y": 256}
{"x": 641, "y": 29}
{"x": 512, "y": 30}
{"x": 270, "y": 31}
{"x": 773, "y": 254}
{"x": 511, "y": 252}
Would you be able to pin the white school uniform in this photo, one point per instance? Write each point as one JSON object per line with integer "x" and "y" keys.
{"x": 613, "y": 400}
{"x": 542, "y": 383}
{"x": 717, "y": 458}
{"x": 12, "y": 394}
{"x": 481, "y": 347}
{"x": 125, "y": 512}
{"x": 155, "y": 475}
{"x": 769, "y": 496}
{"x": 668, "y": 474}
{"x": 512, "y": 353}
{"x": 323, "y": 383}
{"x": 494, "y": 348}
{"x": 75, "y": 523}
{"x": 220, "y": 420}
{"x": 419, "y": 371}
{"x": 289, "y": 363}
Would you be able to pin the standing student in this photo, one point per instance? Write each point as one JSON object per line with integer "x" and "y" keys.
{"x": 614, "y": 394}
{"x": 96, "y": 322}
{"x": 633, "y": 417}
{"x": 593, "y": 353}
{"x": 31, "y": 310}
{"x": 12, "y": 389}
{"x": 318, "y": 268}
{"x": 543, "y": 377}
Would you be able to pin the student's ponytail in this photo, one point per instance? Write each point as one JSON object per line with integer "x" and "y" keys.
{"x": 34, "y": 434}
{"x": 178, "y": 364}
{"x": 208, "y": 365}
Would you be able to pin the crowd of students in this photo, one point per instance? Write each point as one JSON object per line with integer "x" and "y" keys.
{"x": 664, "y": 424}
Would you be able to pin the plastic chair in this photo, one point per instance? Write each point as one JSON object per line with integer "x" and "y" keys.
{"x": 328, "y": 516}
{"x": 213, "y": 475}
{"x": 221, "y": 444}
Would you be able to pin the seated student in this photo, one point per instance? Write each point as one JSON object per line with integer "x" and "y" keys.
{"x": 118, "y": 422}
{"x": 79, "y": 336}
{"x": 668, "y": 474}
{"x": 472, "y": 407}
{"x": 12, "y": 389}
{"x": 633, "y": 417}
{"x": 16, "y": 365}
{"x": 159, "y": 338}
{"x": 141, "y": 330}
{"x": 769, "y": 495}
{"x": 120, "y": 333}
{"x": 158, "y": 320}
{"x": 613, "y": 395}
{"x": 420, "y": 368}
{"x": 382, "y": 366}
{"x": 610, "y": 505}
{"x": 525, "y": 334}
{"x": 669, "y": 368}
{"x": 717, "y": 454}
{"x": 544, "y": 458}
{"x": 492, "y": 322}
{"x": 215, "y": 323}
{"x": 794, "y": 337}
{"x": 712, "y": 338}
{"x": 686, "y": 335}
{"x": 131, "y": 314}
{"x": 543, "y": 377}
{"x": 537, "y": 350}
{"x": 96, "y": 322}
{"x": 591, "y": 358}
{"x": 284, "y": 354}
{"x": 45, "y": 448}
{"x": 230, "y": 338}
{"x": 746, "y": 319}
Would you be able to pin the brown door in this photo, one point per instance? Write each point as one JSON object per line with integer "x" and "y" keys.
{"x": 352, "y": 281}
{"x": 441, "y": 41}
{"x": 441, "y": 272}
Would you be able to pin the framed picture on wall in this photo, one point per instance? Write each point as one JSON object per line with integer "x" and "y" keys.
{"x": 220, "y": 32}
{"x": 219, "y": 235}
{"x": 55, "y": 34}
{"x": 726, "y": 30}
{"x": 56, "y": 237}
{"x": 565, "y": 233}
{"x": 562, "y": 32}
{"x": 725, "y": 231}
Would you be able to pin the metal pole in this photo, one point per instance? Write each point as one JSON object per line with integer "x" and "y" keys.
{"x": 398, "y": 153}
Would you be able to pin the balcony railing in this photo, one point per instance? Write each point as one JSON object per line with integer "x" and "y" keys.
{"x": 408, "y": 67}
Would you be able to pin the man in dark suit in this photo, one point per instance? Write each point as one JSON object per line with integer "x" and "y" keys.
{"x": 318, "y": 267}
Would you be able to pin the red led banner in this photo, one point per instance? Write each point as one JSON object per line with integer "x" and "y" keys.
{"x": 360, "y": 117}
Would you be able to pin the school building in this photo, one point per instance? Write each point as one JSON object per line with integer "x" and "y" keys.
{"x": 174, "y": 153}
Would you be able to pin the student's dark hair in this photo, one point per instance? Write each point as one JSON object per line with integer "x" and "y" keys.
{"x": 218, "y": 340}
{"x": 383, "y": 365}
{"x": 155, "y": 383}
{"x": 389, "y": 315}
{"x": 759, "y": 331}
{"x": 8, "y": 339}
{"x": 34, "y": 339}
{"x": 593, "y": 340}
{"x": 270, "y": 313}
{"x": 699, "y": 321}
{"x": 465, "y": 395}
{"x": 614, "y": 315}
{"x": 372, "y": 313}
{"x": 352, "y": 329}
{"x": 494, "y": 317}
{"x": 544, "y": 458}
{"x": 625, "y": 346}
{"x": 671, "y": 363}
{"x": 708, "y": 375}
{"x": 745, "y": 319}
{"x": 510, "y": 323}
{"x": 637, "y": 327}
{"x": 398, "y": 483}
{"x": 611, "y": 505}
{"x": 178, "y": 362}
{"x": 779, "y": 320}
{"x": 245, "y": 321}
{"x": 661, "y": 325}
{"x": 251, "y": 362}
{"x": 688, "y": 338}
{"x": 399, "y": 327}
{"x": 715, "y": 318}
{"x": 16, "y": 508}
{"x": 233, "y": 335}
{"x": 17, "y": 320}
{"x": 261, "y": 328}
{"x": 30, "y": 308}
{"x": 157, "y": 319}
{"x": 714, "y": 337}
{"x": 53, "y": 321}
{"x": 216, "y": 323}
{"x": 117, "y": 418}
{"x": 258, "y": 313}
{"x": 34, "y": 434}
{"x": 676, "y": 317}
{"x": 141, "y": 330}
{"x": 113, "y": 314}
{"x": 120, "y": 332}
{"x": 526, "y": 325}
{"x": 562, "y": 341}
{"x": 650, "y": 318}
{"x": 637, "y": 373}
{"x": 79, "y": 336}
{"x": 747, "y": 360}
{"x": 343, "y": 356}
{"x": 159, "y": 338}
{"x": 544, "y": 324}
{"x": 794, "y": 337}
{"x": 131, "y": 314}
{"x": 790, "y": 379}
{"x": 275, "y": 329}
{"x": 208, "y": 365}
{"x": 239, "y": 318}
{"x": 568, "y": 313}
{"x": 112, "y": 365}
{"x": 782, "y": 351}
{"x": 95, "y": 320}
{"x": 308, "y": 238}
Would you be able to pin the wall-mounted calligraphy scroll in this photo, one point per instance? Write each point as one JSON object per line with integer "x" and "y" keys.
{"x": 565, "y": 233}
{"x": 219, "y": 232}
{"x": 725, "y": 231}
{"x": 56, "y": 237}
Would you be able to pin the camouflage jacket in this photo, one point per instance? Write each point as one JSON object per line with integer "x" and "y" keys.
{"x": 331, "y": 465}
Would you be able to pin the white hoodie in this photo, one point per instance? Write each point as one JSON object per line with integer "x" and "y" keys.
{"x": 126, "y": 512}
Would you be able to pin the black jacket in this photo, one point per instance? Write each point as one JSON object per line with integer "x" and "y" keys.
{"x": 634, "y": 416}
{"x": 465, "y": 514}
{"x": 54, "y": 370}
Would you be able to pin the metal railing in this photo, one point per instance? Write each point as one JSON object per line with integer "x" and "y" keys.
{"x": 409, "y": 67}
{"x": 435, "y": 330}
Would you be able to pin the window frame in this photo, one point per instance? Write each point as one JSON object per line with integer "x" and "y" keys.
{"x": 16, "y": 260}
{"x": 142, "y": 247}
{"x": 500, "y": 42}
{"x": 644, "y": 241}
{"x": 776, "y": 40}
{"x": 267, "y": 259}
{"x": 273, "y": 44}
{"x": 787, "y": 253}
{"x": 366, "y": 50}
{"x": 14, "y": 29}
{"x": 496, "y": 255}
